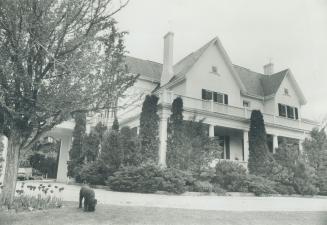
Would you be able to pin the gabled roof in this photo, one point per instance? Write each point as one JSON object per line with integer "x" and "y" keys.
{"x": 259, "y": 84}
{"x": 146, "y": 69}
{"x": 250, "y": 82}
{"x": 183, "y": 66}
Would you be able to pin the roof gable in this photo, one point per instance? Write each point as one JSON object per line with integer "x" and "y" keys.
{"x": 183, "y": 66}
{"x": 250, "y": 82}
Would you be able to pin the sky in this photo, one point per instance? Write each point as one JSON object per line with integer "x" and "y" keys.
{"x": 292, "y": 34}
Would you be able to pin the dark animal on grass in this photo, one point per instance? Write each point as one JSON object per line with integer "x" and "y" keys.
{"x": 88, "y": 195}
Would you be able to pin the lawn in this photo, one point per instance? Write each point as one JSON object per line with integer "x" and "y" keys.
{"x": 109, "y": 214}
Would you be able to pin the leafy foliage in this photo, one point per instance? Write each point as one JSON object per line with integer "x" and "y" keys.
{"x": 95, "y": 173}
{"x": 176, "y": 181}
{"x": 111, "y": 152}
{"x": 315, "y": 152}
{"x": 149, "y": 178}
{"x": 130, "y": 146}
{"x": 149, "y": 125}
{"x": 291, "y": 172}
{"x": 144, "y": 179}
{"x": 230, "y": 176}
{"x": 52, "y": 65}
{"x": 202, "y": 186}
{"x": 259, "y": 157}
{"x": 46, "y": 165}
{"x": 260, "y": 185}
{"x": 189, "y": 147}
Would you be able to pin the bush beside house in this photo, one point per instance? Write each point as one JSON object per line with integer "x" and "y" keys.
{"x": 121, "y": 164}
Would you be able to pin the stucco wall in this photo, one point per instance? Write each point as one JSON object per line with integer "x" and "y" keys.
{"x": 201, "y": 77}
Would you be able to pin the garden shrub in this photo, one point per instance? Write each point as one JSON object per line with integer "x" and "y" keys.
{"x": 260, "y": 186}
{"x": 231, "y": 176}
{"x": 94, "y": 173}
{"x": 144, "y": 179}
{"x": 284, "y": 189}
{"x": 218, "y": 190}
{"x": 304, "y": 179}
{"x": 202, "y": 186}
{"x": 176, "y": 181}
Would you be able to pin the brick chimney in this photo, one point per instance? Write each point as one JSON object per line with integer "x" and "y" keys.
{"x": 167, "y": 68}
{"x": 268, "y": 69}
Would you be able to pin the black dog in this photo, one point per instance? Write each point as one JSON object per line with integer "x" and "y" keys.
{"x": 89, "y": 199}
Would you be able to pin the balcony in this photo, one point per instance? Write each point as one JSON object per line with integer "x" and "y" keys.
{"x": 233, "y": 111}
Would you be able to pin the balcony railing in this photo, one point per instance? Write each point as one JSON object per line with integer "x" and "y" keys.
{"x": 240, "y": 112}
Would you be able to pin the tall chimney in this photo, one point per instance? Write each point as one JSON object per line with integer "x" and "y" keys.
{"x": 268, "y": 69}
{"x": 167, "y": 69}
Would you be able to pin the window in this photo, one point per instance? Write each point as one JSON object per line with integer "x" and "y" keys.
{"x": 206, "y": 95}
{"x": 246, "y": 104}
{"x": 288, "y": 111}
{"x": 215, "y": 96}
{"x": 214, "y": 69}
{"x": 282, "y": 110}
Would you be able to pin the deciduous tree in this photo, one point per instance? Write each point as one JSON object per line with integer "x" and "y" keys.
{"x": 52, "y": 65}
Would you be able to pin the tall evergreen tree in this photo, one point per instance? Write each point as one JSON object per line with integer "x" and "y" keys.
{"x": 315, "y": 151}
{"x": 259, "y": 157}
{"x": 176, "y": 137}
{"x": 149, "y": 125}
{"x": 111, "y": 153}
{"x": 130, "y": 147}
{"x": 75, "y": 153}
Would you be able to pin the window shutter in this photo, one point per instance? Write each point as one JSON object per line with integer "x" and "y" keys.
{"x": 203, "y": 94}
{"x": 226, "y": 99}
{"x": 296, "y": 113}
{"x": 215, "y": 97}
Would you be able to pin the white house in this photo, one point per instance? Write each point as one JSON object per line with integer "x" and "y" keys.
{"x": 214, "y": 89}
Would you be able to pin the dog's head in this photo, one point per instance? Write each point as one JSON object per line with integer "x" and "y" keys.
{"x": 92, "y": 205}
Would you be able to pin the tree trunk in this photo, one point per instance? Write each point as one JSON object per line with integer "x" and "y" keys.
{"x": 9, "y": 184}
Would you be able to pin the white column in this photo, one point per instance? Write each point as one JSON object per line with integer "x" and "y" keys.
{"x": 275, "y": 143}
{"x": 163, "y": 140}
{"x": 300, "y": 145}
{"x": 211, "y": 130}
{"x": 246, "y": 145}
{"x": 3, "y": 155}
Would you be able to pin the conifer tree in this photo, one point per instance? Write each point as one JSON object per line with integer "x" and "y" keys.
{"x": 176, "y": 137}
{"x": 315, "y": 151}
{"x": 149, "y": 125}
{"x": 259, "y": 157}
{"x": 75, "y": 153}
{"x": 111, "y": 153}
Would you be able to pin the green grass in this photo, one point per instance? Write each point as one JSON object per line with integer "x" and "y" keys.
{"x": 109, "y": 214}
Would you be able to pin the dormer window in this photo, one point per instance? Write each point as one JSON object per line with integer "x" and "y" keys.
{"x": 214, "y": 69}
